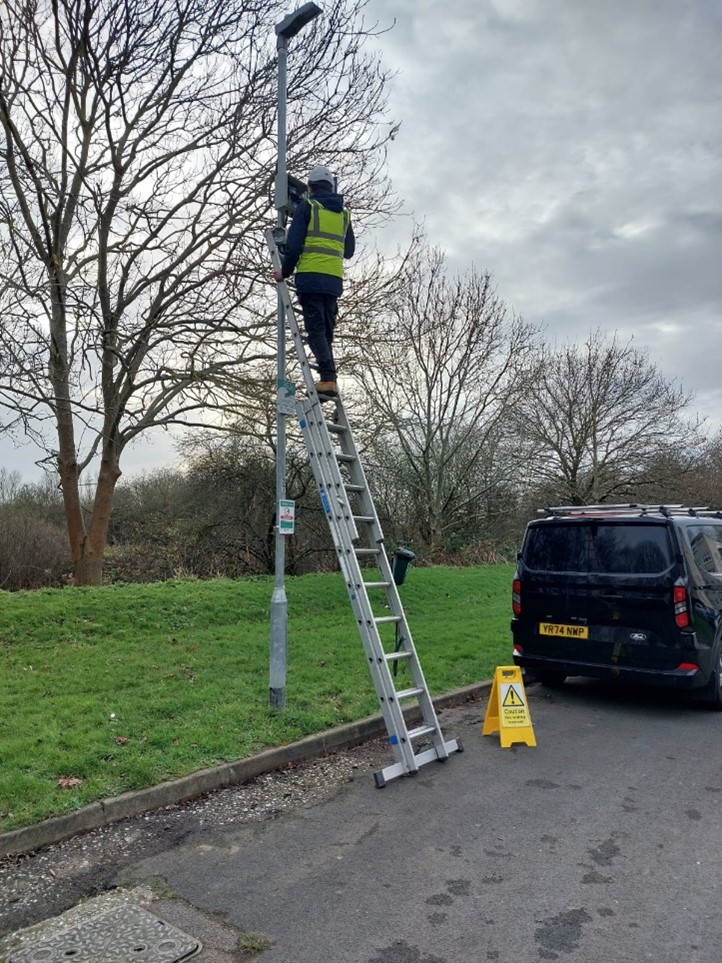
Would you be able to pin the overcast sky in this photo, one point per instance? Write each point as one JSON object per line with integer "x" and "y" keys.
{"x": 573, "y": 148}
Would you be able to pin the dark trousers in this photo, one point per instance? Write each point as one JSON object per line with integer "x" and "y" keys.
{"x": 319, "y": 317}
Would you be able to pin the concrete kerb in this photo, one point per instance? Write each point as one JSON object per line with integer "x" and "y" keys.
{"x": 98, "y": 814}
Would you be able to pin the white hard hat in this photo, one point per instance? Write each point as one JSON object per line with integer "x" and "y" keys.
{"x": 320, "y": 173}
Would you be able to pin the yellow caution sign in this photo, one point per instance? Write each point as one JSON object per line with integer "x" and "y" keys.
{"x": 507, "y": 711}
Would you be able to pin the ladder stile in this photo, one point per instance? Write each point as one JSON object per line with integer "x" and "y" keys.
{"x": 348, "y": 504}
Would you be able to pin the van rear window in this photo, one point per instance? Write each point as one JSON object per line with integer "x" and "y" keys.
{"x": 599, "y": 547}
{"x": 557, "y": 548}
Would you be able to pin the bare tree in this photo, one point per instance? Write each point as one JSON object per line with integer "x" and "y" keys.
{"x": 135, "y": 177}
{"x": 444, "y": 364}
{"x": 10, "y": 482}
{"x": 691, "y": 476}
{"x": 599, "y": 421}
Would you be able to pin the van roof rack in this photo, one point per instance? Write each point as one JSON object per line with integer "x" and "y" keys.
{"x": 633, "y": 508}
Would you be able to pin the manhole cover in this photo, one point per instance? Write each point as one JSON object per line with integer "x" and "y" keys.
{"x": 127, "y": 933}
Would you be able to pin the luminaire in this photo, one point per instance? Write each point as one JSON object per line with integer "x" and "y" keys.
{"x": 293, "y": 22}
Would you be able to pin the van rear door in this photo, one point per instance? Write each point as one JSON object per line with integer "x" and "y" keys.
{"x": 632, "y": 573}
{"x": 554, "y": 566}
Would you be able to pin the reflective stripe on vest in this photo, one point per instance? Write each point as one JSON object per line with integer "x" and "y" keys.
{"x": 325, "y": 237}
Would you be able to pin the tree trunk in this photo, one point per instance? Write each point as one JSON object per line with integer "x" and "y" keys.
{"x": 89, "y": 571}
{"x": 89, "y": 564}
{"x": 68, "y": 471}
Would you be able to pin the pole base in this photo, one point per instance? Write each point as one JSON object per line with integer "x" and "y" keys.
{"x": 277, "y": 698}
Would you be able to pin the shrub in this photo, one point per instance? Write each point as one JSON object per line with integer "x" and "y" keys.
{"x": 33, "y": 551}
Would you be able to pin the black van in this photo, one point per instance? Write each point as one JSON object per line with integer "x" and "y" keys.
{"x": 628, "y": 591}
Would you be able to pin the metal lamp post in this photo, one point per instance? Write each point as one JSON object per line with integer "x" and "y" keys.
{"x": 285, "y": 29}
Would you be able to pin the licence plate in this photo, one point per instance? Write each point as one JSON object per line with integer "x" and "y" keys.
{"x": 565, "y": 631}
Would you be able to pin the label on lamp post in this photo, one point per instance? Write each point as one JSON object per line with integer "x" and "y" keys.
{"x": 286, "y": 516}
{"x": 286, "y": 398}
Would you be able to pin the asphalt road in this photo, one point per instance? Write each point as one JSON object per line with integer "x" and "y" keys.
{"x": 601, "y": 844}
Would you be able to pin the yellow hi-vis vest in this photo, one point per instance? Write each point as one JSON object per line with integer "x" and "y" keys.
{"x": 323, "y": 248}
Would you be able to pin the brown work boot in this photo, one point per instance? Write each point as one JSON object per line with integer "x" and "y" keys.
{"x": 328, "y": 388}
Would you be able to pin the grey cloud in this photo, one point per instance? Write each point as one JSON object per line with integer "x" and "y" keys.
{"x": 575, "y": 150}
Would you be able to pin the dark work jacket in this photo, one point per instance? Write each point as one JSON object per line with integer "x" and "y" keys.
{"x": 307, "y": 282}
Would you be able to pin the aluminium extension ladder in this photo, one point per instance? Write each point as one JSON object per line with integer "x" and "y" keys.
{"x": 358, "y": 540}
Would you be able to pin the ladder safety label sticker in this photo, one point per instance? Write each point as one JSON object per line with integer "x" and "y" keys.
{"x": 507, "y": 711}
{"x": 324, "y": 500}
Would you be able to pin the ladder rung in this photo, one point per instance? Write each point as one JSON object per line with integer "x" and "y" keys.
{"x": 364, "y": 518}
{"x": 336, "y": 429}
{"x": 342, "y": 456}
{"x": 420, "y": 731}
{"x": 395, "y": 656}
{"x": 369, "y": 585}
{"x": 354, "y": 488}
{"x": 367, "y": 551}
{"x": 385, "y": 619}
{"x": 408, "y": 693}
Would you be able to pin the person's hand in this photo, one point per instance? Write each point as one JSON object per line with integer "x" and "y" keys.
{"x": 278, "y": 276}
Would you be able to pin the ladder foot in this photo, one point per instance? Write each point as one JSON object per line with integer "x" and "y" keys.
{"x": 379, "y": 779}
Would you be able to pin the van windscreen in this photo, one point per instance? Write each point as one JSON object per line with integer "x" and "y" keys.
{"x": 599, "y": 547}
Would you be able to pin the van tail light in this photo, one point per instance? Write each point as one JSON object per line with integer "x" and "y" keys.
{"x": 516, "y": 596}
{"x": 519, "y": 649}
{"x": 681, "y": 609}
{"x": 687, "y": 667}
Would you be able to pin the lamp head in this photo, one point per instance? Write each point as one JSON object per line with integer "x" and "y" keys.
{"x": 296, "y": 21}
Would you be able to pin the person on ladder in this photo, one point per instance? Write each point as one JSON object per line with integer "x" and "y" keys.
{"x": 319, "y": 238}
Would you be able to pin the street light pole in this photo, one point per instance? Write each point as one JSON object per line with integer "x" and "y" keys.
{"x": 285, "y": 29}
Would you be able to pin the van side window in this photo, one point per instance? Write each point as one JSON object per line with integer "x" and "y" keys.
{"x": 706, "y": 544}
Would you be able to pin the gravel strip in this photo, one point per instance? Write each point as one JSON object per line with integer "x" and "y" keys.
{"x": 49, "y": 881}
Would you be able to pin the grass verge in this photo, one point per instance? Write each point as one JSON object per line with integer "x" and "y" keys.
{"x": 106, "y": 690}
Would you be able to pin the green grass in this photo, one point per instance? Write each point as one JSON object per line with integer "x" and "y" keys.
{"x": 125, "y": 686}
